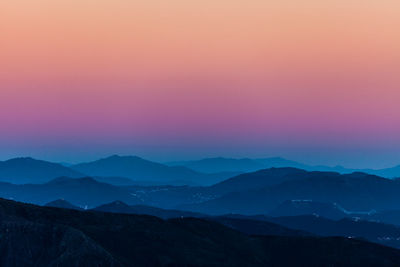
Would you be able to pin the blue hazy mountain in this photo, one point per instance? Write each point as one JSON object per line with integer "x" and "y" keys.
{"x": 213, "y": 165}
{"x": 29, "y": 170}
{"x": 119, "y": 181}
{"x": 82, "y": 192}
{"x": 140, "y": 169}
{"x": 220, "y": 164}
{"x": 253, "y": 193}
{"x": 356, "y": 192}
{"x": 258, "y": 179}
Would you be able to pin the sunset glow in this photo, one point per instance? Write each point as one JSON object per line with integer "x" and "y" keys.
{"x": 316, "y": 80}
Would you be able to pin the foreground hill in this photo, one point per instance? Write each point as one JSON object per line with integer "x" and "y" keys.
{"x": 28, "y": 170}
{"x": 61, "y": 203}
{"x": 41, "y": 236}
{"x": 143, "y": 170}
{"x": 121, "y": 207}
{"x": 306, "y": 225}
{"x": 307, "y": 207}
{"x": 244, "y": 225}
{"x": 375, "y": 232}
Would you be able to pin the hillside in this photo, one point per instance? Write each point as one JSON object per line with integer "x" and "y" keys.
{"x": 142, "y": 170}
{"x": 28, "y": 170}
{"x": 106, "y": 239}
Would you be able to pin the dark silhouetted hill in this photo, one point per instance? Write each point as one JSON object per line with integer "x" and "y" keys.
{"x": 121, "y": 207}
{"x": 214, "y": 165}
{"x": 63, "y": 204}
{"x": 386, "y": 234}
{"x": 308, "y": 207}
{"x": 42, "y": 236}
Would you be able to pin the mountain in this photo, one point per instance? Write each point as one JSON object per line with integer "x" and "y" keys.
{"x": 63, "y": 204}
{"x": 261, "y": 192}
{"x": 393, "y": 172}
{"x": 257, "y": 227}
{"x": 139, "y": 169}
{"x": 244, "y": 225}
{"x": 42, "y": 236}
{"x": 306, "y": 225}
{"x": 386, "y": 216}
{"x": 308, "y": 207}
{"x": 220, "y": 164}
{"x": 28, "y": 170}
{"x": 214, "y": 165}
{"x": 118, "y": 181}
{"x": 258, "y": 179}
{"x": 279, "y": 162}
{"x": 81, "y": 192}
{"x": 349, "y": 227}
{"x": 120, "y": 207}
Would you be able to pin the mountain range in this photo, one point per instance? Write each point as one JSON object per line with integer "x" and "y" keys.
{"x": 145, "y": 171}
{"x": 82, "y": 192}
{"x": 301, "y": 225}
{"x": 117, "y": 170}
{"x": 260, "y": 192}
{"x": 132, "y": 170}
{"x": 29, "y": 170}
{"x": 221, "y": 164}
{"x": 44, "y": 236}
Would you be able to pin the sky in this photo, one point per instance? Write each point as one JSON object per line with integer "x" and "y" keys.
{"x": 315, "y": 81}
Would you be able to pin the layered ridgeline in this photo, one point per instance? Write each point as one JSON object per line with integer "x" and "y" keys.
{"x": 29, "y": 170}
{"x": 260, "y": 192}
{"x": 44, "y": 236}
{"x": 147, "y": 172}
{"x": 305, "y": 225}
{"x": 211, "y": 165}
{"x": 131, "y": 170}
{"x": 115, "y": 170}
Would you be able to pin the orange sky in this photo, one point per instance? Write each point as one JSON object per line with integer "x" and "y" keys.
{"x": 326, "y": 70}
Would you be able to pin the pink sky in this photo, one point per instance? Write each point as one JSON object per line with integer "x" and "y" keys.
{"x": 313, "y": 80}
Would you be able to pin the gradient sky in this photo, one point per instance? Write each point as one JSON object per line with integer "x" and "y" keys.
{"x": 315, "y": 81}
